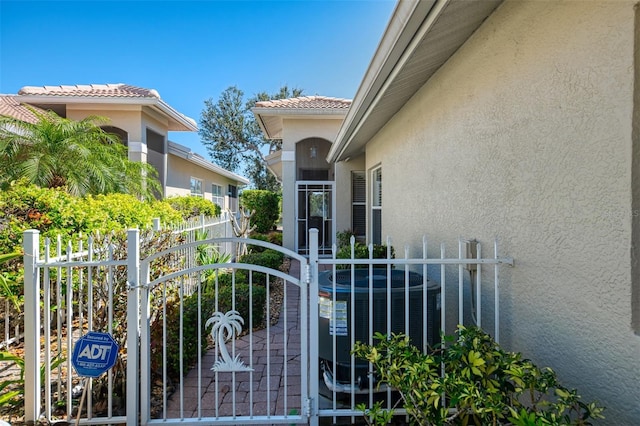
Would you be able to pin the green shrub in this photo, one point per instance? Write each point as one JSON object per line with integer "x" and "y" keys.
{"x": 482, "y": 384}
{"x": 51, "y": 211}
{"x": 268, "y": 258}
{"x": 255, "y": 248}
{"x": 190, "y": 206}
{"x": 259, "y": 296}
{"x": 189, "y": 335}
{"x": 275, "y": 237}
{"x": 343, "y": 238}
{"x": 265, "y": 206}
{"x": 361, "y": 251}
{"x": 54, "y": 212}
{"x": 121, "y": 211}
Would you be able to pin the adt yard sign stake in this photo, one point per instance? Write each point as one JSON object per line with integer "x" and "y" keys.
{"x": 94, "y": 353}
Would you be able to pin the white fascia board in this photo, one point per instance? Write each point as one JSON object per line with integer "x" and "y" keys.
{"x": 187, "y": 122}
{"x": 186, "y": 154}
{"x": 405, "y": 20}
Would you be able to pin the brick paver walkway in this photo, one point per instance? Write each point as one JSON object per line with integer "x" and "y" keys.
{"x": 265, "y": 390}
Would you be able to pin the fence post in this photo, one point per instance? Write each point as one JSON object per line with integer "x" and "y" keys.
{"x": 156, "y": 224}
{"x": 133, "y": 319}
{"x": 314, "y": 373}
{"x": 31, "y": 245}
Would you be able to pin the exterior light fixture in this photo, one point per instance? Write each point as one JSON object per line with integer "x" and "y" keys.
{"x": 313, "y": 152}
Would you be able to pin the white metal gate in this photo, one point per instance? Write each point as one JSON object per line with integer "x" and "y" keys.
{"x": 249, "y": 375}
{"x": 258, "y": 377}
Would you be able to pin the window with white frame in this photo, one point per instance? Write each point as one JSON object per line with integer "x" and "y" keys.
{"x": 216, "y": 195}
{"x": 376, "y": 206}
{"x": 196, "y": 187}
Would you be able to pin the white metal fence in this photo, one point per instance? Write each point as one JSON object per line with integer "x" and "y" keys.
{"x": 11, "y": 324}
{"x": 415, "y": 294}
{"x": 124, "y": 288}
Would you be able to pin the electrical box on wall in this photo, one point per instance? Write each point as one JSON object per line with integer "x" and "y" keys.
{"x": 471, "y": 252}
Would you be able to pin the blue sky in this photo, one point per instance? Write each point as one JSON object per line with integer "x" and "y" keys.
{"x": 190, "y": 51}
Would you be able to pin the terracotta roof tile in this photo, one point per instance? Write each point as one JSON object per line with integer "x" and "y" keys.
{"x": 11, "y": 107}
{"x": 119, "y": 90}
{"x": 306, "y": 102}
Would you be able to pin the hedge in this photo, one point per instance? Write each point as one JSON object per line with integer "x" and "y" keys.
{"x": 194, "y": 206}
{"x": 54, "y": 212}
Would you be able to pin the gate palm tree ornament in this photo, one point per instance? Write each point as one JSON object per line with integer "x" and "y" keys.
{"x": 225, "y": 327}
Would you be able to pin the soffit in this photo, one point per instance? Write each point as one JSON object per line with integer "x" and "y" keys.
{"x": 446, "y": 27}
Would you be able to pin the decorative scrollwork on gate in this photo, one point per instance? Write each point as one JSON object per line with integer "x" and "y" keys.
{"x": 225, "y": 327}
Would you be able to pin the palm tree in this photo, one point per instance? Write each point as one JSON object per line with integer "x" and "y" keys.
{"x": 77, "y": 155}
{"x": 226, "y": 326}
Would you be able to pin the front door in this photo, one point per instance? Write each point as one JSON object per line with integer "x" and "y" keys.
{"x": 315, "y": 208}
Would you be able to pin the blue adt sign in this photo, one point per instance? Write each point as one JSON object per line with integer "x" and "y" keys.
{"x": 94, "y": 353}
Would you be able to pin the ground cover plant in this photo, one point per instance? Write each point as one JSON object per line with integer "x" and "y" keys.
{"x": 470, "y": 380}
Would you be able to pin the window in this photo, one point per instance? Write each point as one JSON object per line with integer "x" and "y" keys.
{"x": 359, "y": 204}
{"x": 196, "y": 187}
{"x": 376, "y": 206}
{"x": 233, "y": 191}
{"x": 216, "y": 195}
{"x": 233, "y": 198}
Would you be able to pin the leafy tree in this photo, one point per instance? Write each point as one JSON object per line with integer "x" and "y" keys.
{"x": 77, "y": 155}
{"x": 233, "y": 137}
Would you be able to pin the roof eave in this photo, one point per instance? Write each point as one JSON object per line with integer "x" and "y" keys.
{"x": 394, "y": 41}
{"x": 413, "y": 25}
{"x": 186, "y": 154}
{"x": 271, "y": 119}
{"x": 266, "y": 129}
{"x": 188, "y": 123}
{"x": 183, "y": 123}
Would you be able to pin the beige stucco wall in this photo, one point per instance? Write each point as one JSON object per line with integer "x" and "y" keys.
{"x": 181, "y": 172}
{"x": 295, "y": 130}
{"x": 128, "y": 118}
{"x": 525, "y": 134}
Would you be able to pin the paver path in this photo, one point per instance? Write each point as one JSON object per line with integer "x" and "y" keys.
{"x": 270, "y": 392}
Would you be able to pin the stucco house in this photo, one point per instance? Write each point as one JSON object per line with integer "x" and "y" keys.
{"x": 515, "y": 119}
{"x": 143, "y": 121}
{"x": 307, "y": 126}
